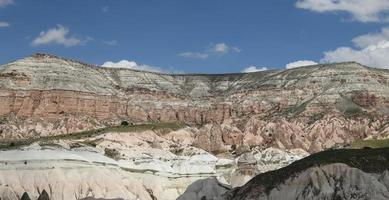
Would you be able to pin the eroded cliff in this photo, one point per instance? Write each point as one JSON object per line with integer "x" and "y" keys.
{"x": 311, "y": 108}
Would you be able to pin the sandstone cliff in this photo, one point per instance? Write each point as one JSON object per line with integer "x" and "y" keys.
{"x": 310, "y": 108}
{"x": 230, "y": 127}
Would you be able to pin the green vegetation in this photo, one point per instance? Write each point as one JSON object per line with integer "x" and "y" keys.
{"x": 124, "y": 123}
{"x": 49, "y": 144}
{"x": 316, "y": 117}
{"x": 296, "y": 109}
{"x": 3, "y": 120}
{"x": 112, "y": 153}
{"x": 353, "y": 111}
{"x": 367, "y": 160}
{"x": 348, "y": 107}
{"x": 160, "y": 128}
{"x": 92, "y": 143}
{"x": 360, "y": 144}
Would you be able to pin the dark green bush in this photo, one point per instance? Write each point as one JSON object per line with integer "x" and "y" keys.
{"x": 124, "y": 123}
{"x": 112, "y": 153}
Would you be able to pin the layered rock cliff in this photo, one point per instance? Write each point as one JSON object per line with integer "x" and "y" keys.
{"x": 231, "y": 127}
{"x": 45, "y": 95}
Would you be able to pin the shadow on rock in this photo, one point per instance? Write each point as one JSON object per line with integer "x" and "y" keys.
{"x": 205, "y": 189}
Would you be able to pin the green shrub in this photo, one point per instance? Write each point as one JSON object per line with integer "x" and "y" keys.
{"x": 124, "y": 123}
{"x": 112, "y": 153}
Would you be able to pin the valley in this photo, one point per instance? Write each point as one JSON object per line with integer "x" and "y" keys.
{"x": 77, "y": 131}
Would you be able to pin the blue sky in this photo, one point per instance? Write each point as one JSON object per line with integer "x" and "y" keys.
{"x": 208, "y": 36}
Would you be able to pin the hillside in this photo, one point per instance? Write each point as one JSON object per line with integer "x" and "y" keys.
{"x": 154, "y": 136}
{"x": 45, "y": 95}
{"x": 334, "y": 174}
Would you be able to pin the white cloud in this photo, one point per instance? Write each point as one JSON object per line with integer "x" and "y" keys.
{"x": 370, "y": 49}
{"x": 3, "y": 24}
{"x": 213, "y": 49}
{"x": 130, "y": 65}
{"x": 57, "y": 35}
{"x": 254, "y": 69}
{"x": 375, "y": 55}
{"x": 364, "y": 41}
{"x": 194, "y": 55}
{"x": 4, "y": 3}
{"x": 111, "y": 42}
{"x": 361, "y": 10}
{"x": 300, "y": 63}
{"x": 223, "y": 48}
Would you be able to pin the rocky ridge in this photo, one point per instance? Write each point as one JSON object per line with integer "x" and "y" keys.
{"x": 235, "y": 126}
{"x": 329, "y": 104}
{"x": 335, "y": 174}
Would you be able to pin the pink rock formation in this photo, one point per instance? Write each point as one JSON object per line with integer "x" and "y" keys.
{"x": 311, "y": 108}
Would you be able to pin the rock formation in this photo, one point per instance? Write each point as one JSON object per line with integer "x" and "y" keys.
{"x": 246, "y": 169}
{"x": 335, "y": 174}
{"x": 46, "y": 95}
{"x": 25, "y": 196}
{"x": 44, "y": 196}
{"x": 209, "y": 188}
{"x": 60, "y": 133}
{"x": 147, "y": 165}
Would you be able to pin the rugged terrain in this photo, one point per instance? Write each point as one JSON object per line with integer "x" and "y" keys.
{"x": 311, "y": 108}
{"x": 136, "y": 162}
{"x": 334, "y": 174}
{"x": 120, "y": 133}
